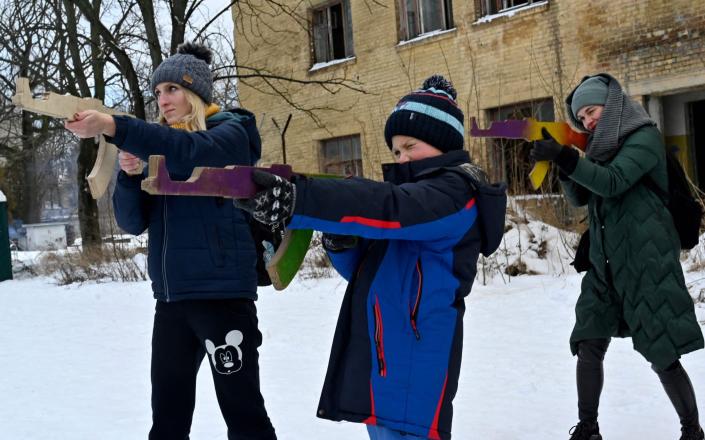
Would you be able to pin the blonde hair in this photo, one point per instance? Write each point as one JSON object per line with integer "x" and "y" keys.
{"x": 196, "y": 119}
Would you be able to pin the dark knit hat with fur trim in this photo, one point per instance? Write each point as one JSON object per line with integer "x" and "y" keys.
{"x": 189, "y": 68}
{"x": 430, "y": 114}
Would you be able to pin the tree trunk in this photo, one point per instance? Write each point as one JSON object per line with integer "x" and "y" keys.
{"x": 87, "y": 206}
{"x": 178, "y": 24}
{"x": 29, "y": 200}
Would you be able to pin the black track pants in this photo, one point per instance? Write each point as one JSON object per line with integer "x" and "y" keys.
{"x": 225, "y": 331}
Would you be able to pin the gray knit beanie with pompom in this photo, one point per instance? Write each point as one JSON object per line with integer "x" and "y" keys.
{"x": 189, "y": 68}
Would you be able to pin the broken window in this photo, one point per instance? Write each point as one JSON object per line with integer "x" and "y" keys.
{"x": 509, "y": 159}
{"x": 423, "y": 16}
{"x": 489, "y": 7}
{"x": 342, "y": 156}
{"x": 332, "y": 32}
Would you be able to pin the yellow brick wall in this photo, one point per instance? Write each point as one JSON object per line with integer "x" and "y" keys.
{"x": 539, "y": 52}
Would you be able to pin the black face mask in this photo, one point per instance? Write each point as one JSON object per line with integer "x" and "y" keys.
{"x": 398, "y": 173}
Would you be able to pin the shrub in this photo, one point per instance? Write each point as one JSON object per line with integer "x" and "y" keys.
{"x": 112, "y": 262}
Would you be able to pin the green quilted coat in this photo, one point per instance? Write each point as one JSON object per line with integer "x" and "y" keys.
{"x": 635, "y": 286}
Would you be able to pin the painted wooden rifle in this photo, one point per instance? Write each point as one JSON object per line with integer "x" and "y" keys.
{"x": 65, "y": 107}
{"x": 530, "y": 129}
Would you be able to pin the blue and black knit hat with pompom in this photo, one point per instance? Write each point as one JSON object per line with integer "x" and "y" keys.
{"x": 430, "y": 114}
{"x": 189, "y": 68}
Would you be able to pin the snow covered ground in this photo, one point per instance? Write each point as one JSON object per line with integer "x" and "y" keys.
{"x": 74, "y": 365}
{"x": 74, "y": 360}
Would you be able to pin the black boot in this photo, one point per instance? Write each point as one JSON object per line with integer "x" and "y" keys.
{"x": 585, "y": 431}
{"x": 680, "y": 391}
{"x": 692, "y": 433}
{"x": 589, "y": 377}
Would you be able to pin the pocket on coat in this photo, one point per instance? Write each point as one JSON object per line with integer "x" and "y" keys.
{"x": 379, "y": 338}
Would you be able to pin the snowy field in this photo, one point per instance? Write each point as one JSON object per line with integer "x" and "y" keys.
{"x": 75, "y": 364}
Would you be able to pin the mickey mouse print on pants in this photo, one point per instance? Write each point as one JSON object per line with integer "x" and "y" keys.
{"x": 226, "y": 359}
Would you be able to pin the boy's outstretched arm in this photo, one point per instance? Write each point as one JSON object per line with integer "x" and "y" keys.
{"x": 431, "y": 209}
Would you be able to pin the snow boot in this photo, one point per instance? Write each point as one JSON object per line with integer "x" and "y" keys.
{"x": 585, "y": 431}
{"x": 692, "y": 433}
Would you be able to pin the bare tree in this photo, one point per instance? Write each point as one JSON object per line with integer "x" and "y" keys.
{"x": 107, "y": 50}
{"x": 29, "y": 38}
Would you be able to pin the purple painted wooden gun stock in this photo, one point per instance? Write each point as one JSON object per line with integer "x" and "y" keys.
{"x": 233, "y": 182}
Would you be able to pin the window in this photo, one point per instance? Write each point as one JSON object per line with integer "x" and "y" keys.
{"x": 423, "y": 16}
{"x": 332, "y": 32}
{"x": 489, "y": 7}
{"x": 509, "y": 159}
{"x": 342, "y": 156}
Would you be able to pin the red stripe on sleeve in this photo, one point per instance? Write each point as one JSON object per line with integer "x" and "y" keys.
{"x": 371, "y": 222}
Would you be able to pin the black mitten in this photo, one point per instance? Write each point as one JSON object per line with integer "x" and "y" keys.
{"x": 546, "y": 149}
{"x": 275, "y": 203}
{"x": 549, "y": 149}
{"x": 337, "y": 243}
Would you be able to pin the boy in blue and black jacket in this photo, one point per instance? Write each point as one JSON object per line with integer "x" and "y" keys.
{"x": 408, "y": 247}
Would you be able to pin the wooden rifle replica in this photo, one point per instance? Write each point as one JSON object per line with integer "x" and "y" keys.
{"x": 530, "y": 129}
{"x": 65, "y": 107}
{"x": 234, "y": 182}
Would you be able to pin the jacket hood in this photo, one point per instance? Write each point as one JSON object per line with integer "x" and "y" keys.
{"x": 569, "y": 99}
{"x": 249, "y": 123}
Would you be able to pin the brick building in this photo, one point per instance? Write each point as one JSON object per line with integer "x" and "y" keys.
{"x": 506, "y": 58}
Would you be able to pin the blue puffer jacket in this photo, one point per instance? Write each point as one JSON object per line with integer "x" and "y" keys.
{"x": 396, "y": 352}
{"x": 199, "y": 247}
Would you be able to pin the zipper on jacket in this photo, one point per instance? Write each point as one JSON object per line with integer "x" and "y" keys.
{"x": 379, "y": 339}
{"x": 164, "y": 241}
{"x": 417, "y": 302}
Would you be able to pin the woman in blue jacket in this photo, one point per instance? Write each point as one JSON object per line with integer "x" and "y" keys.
{"x": 408, "y": 247}
{"x": 201, "y": 253}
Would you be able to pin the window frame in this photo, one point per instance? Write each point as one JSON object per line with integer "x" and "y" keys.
{"x": 347, "y": 33}
{"x": 491, "y": 7}
{"x": 404, "y": 31}
{"x": 355, "y": 155}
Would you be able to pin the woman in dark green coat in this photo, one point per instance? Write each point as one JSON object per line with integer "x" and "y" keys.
{"x": 635, "y": 285}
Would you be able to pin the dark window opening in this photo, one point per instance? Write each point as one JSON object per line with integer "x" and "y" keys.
{"x": 332, "y": 32}
{"x": 696, "y": 170}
